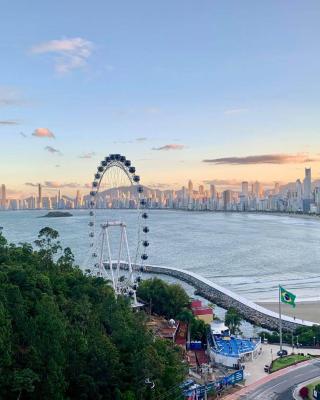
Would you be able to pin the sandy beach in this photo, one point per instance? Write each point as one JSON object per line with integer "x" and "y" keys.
{"x": 308, "y": 310}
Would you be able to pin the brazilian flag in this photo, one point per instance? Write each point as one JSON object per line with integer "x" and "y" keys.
{"x": 287, "y": 297}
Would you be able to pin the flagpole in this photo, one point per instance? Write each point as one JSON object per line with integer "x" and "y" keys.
{"x": 280, "y": 320}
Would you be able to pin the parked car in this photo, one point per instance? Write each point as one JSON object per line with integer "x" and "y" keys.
{"x": 282, "y": 353}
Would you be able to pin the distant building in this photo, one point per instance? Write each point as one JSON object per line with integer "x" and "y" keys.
{"x": 3, "y": 197}
{"x": 39, "y": 205}
{"x": 307, "y": 190}
{"x": 226, "y": 195}
{"x": 245, "y": 188}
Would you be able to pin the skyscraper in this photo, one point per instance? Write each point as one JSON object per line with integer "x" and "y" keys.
{"x": 190, "y": 187}
{"x": 3, "y": 197}
{"x": 39, "y": 196}
{"x": 307, "y": 190}
{"x": 213, "y": 191}
{"x": 245, "y": 188}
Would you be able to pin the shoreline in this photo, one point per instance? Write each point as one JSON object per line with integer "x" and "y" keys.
{"x": 305, "y": 310}
{"x": 269, "y": 213}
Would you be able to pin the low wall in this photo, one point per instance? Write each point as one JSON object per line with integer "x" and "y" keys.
{"x": 225, "y": 298}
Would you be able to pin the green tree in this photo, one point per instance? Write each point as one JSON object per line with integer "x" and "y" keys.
{"x": 64, "y": 335}
{"x": 233, "y": 320}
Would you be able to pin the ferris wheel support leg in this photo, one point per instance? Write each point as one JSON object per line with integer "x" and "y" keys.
{"x": 120, "y": 253}
{"x": 101, "y": 266}
{"x": 128, "y": 255}
{"x": 110, "y": 261}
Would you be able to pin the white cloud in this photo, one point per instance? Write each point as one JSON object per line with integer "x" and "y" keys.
{"x": 43, "y": 133}
{"x": 72, "y": 53}
{"x": 170, "y": 147}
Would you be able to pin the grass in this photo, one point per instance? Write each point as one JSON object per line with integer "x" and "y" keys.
{"x": 286, "y": 361}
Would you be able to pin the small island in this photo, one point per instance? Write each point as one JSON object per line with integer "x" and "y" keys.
{"x": 57, "y": 214}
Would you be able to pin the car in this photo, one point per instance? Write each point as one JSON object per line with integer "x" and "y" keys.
{"x": 282, "y": 353}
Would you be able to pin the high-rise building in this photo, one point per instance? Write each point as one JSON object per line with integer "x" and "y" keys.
{"x": 257, "y": 189}
{"x": 3, "y": 197}
{"x": 276, "y": 188}
{"x": 245, "y": 188}
{"x": 190, "y": 187}
{"x": 226, "y": 195}
{"x": 201, "y": 190}
{"x": 299, "y": 189}
{"x": 78, "y": 200}
{"x": 307, "y": 190}
{"x": 213, "y": 191}
{"x": 39, "y": 205}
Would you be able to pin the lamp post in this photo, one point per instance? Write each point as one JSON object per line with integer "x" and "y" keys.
{"x": 314, "y": 341}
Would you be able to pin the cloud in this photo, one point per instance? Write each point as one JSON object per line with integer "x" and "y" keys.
{"x": 43, "y": 133}
{"x": 72, "y": 53}
{"x": 264, "y": 159}
{"x": 141, "y": 139}
{"x": 31, "y": 184}
{"x": 235, "y": 111}
{"x": 52, "y": 150}
{"x": 9, "y": 122}
{"x": 170, "y": 147}
{"x": 87, "y": 155}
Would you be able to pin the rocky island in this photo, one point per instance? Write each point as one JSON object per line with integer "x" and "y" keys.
{"x": 57, "y": 214}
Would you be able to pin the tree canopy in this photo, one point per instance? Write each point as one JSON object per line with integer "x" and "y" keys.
{"x": 233, "y": 320}
{"x": 64, "y": 335}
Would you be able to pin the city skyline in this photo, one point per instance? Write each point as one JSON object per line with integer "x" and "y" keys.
{"x": 243, "y": 106}
{"x": 301, "y": 196}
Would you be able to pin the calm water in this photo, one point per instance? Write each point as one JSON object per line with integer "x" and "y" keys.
{"x": 250, "y": 254}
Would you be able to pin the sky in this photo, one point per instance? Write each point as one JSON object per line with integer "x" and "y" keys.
{"x": 205, "y": 90}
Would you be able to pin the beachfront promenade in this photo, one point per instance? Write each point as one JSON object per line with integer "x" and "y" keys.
{"x": 225, "y": 298}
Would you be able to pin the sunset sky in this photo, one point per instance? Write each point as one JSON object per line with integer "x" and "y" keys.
{"x": 207, "y": 90}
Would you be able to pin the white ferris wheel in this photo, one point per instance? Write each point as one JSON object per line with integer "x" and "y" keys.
{"x": 116, "y": 186}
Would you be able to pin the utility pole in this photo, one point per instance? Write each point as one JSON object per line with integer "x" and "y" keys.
{"x": 280, "y": 321}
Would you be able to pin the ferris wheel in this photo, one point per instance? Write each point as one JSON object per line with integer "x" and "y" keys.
{"x": 116, "y": 186}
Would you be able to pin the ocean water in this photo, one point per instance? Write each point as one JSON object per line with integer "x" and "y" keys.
{"x": 248, "y": 253}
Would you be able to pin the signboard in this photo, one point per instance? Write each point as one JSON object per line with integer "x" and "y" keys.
{"x": 219, "y": 385}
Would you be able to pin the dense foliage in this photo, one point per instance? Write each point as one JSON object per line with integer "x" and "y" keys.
{"x": 63, "y": 335}
{"x": 304, "y": 335}
{"x": 163, "y": 298}
{"x": 171, "y": 301}
{"x": 233, "y": 320}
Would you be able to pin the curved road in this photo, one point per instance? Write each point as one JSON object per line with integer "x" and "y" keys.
{"x": 280, "y": 385}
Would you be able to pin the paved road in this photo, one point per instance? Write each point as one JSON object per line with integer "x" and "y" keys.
{"x": 281, "y": 388}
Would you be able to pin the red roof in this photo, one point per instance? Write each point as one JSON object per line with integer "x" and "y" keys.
{"x": 202, "y": 311}
{"x": 196, "y": 303}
